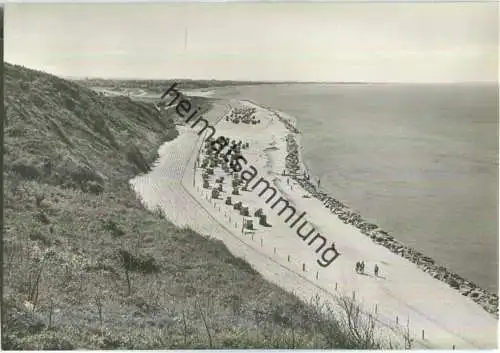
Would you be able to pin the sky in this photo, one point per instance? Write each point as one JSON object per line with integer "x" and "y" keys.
{"x": 348, "y": 41}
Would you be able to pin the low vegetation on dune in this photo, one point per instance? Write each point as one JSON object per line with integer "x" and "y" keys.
{"x": 158, "y": 86}
{"x": 86, "y": 266}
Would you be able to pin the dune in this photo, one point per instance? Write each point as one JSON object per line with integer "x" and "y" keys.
{"x": 403, "y": 300}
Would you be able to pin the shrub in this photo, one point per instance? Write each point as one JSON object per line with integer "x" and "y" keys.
{"x": 84, "y": 174}
{"x": 42, "y": 217}
{"x": 36, "y": 235}
{"x": 26, "y": 171}
{"x": 136, "y": 158}
{"x": 94, "y": 187}
{"x": 159, "y": 212}
{"x": 141, "y": 263}
{"x": 16, "y": 324}
{"x": 112, "y": 227}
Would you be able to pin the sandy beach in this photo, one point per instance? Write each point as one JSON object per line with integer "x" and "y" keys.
{"x": 402, "y": 298}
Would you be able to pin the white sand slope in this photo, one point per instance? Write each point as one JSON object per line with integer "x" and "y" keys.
{"x": 199, "y": 93}
{"x": 402, "y": 297}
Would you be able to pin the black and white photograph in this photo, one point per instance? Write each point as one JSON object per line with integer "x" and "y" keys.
{"x": 250, "y": 175}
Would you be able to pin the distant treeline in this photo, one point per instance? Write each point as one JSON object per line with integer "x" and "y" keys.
{"x": 160, "y": 85}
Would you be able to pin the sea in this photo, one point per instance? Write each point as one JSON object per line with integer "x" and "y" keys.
{"x": 418, "y": 160}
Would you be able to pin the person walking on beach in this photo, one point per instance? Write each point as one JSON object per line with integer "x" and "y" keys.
{"x": 362, "y": 267}
{"x": 319, "y": 183}
{"x": 376, "y": 270}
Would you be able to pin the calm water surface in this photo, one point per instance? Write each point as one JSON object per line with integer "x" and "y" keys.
{"x": 421, "y": 161}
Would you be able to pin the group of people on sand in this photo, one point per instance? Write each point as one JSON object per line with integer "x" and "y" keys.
{"x": 360, "y": 268}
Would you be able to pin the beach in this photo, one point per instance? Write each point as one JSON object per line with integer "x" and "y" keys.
{"x": 437, "y": 308}
{"x": 420, "y": 161}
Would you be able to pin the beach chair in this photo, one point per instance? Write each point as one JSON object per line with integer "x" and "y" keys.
{"x": 244, "y": 211}
{"x": 263, "y": 220}
{"x": 249, "y": 224}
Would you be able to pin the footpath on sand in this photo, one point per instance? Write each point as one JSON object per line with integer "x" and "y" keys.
{"x": 434, "y": 315}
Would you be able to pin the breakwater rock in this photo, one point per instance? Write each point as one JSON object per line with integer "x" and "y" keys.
{"x": 293, "y": 168}
{"x": 291, "y": 127}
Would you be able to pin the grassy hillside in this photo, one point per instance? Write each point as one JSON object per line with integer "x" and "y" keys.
{"x": 86, "y": 266}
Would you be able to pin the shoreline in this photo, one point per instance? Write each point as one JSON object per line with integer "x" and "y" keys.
{"x": 177, "y": 185}
{"x": 446, "y": 313}
{"x": 170, "y": 186}
{"x": 295, "y": 167}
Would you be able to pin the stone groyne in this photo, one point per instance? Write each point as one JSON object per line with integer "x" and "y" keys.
{"x": 294, "y": 169}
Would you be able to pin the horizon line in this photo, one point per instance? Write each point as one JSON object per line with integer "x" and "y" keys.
{"x": 177, "y": 79}
{"x": 79, "y": 78}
